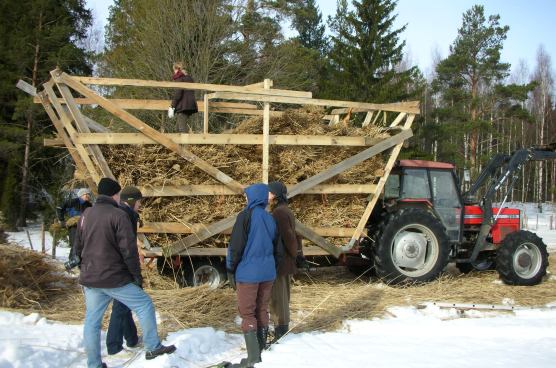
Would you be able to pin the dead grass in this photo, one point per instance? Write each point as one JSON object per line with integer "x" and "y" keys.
{"x": 320, "y": 300}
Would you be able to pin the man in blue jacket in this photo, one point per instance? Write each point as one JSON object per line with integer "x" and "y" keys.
{"x": 251, "y": 269}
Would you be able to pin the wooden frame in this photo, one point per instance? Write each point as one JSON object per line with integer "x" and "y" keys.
{"x": 74, "y": 133}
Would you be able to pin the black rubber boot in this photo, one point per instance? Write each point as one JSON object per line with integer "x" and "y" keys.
{"x": 253, "y": 351}
{"x": 280, "y": 331}
{"x": 262, "y": 337}
{"x": 160, "y": 351}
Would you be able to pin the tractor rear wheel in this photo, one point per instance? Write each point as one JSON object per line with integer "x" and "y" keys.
{"x": 412, "y": 246}
{"x": 522, "y": 259}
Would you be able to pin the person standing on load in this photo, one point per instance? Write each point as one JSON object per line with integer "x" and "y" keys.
{"x": 73, "y": 208}
{"x": 110, "y": 269}
{"x": 184, "y": 104}
{"x": 121, "y": 320}
{"x": 285, "y": 221}
{"x": 252, "y": 269}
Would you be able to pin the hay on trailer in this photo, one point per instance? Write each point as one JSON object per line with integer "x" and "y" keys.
{"x": 152, "y": 165}
{"x": 30, "y": 279}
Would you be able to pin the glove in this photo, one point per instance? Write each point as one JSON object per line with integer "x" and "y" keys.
{"x": 171, "y": 111}
{"x": 138, "y": 281}
{"x": 301, "y": 262}
{"x": 232, "y": 280}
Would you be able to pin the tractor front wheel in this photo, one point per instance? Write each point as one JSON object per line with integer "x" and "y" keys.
{"x": 522, "y": 259}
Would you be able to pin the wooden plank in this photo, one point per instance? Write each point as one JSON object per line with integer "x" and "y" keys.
{"x": 159, "y": 105}
{"x": 311, "y": 235}
{"x": 210, "y": 190}
{"x": 409, "y": 107}
{"x": 193, "y": 86}
{"x": 379, "y": 187}
{"x": 222, "y": 252}
{"x": 150, "y": 132}
{"x": 376, "y": 118}
{"x": 368, "y": 118}
{"x": 53, "y": 142}
{"x": 266, "y": 133}
{"x": 84, "y": 128}
{"x": 398, "y": 119}
{"x": 350, "y": 162}
{"x": 206, "y": 115}
{"x": 65, "y": 121}
{"x": 240, "y": 139}
{"x": 346, "y": 110}
{"x": 180, "y": 228}
{"x": 81, "y": 167}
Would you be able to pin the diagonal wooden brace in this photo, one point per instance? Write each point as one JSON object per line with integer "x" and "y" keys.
{"x": 149, "y": 132}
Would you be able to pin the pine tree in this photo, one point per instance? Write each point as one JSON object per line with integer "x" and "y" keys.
{"x": 307, "y": 21}
{"x": 366, "y": 51}
{"x": 473, "y": 65}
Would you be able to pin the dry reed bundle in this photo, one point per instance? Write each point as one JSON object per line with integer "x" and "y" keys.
{"x": 29, "y": 279}
{"x": 156, "y": 166}
{"x": 320, "y": 300}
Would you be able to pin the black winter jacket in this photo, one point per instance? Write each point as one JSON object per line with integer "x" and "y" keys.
{"x": 184, "y": 99}
{"x": 107, "y": 246}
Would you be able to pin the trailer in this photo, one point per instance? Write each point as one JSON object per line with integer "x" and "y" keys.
{"x": 63, "y": 95}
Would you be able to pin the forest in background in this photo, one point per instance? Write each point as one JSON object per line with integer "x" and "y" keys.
{"x": 471, "y": 105}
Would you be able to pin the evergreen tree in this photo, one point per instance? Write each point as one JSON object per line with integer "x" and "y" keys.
{"x": 366, "y": 50}
{"x": 307, "y": 21}
{"x": 473, "y": 65}
{"x": 36, "y": 36}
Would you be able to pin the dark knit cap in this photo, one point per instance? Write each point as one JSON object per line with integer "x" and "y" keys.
{"x": 108, "y": 187}
{"x": 279, "y": 190}
{"x": 131, "y": 195}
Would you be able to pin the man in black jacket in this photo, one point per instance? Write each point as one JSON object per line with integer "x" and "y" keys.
{"x": 110, "y": 269}
{"x": 121, "y": 320}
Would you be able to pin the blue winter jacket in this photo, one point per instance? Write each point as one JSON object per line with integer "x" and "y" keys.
{"x": 251, "y": 258}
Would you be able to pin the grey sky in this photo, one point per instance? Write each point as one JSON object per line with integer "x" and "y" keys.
{"x": 433, "y": 25}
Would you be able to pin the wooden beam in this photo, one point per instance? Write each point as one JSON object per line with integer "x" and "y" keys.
{"x": 194, "y": 86}
{"x": 314, "y": 237}
{"x": 409, "y": 107}
{"x": 222, "y": 252}
{"x": 206, "y": 115}
{"x": 389, "y": 165}
{"x": 346, "y": 110}
{"x": 398, "y": 119}
{"x": 66, "y": 140}
{"x": 368, "y": 118}
{"x": 158, "y": 105}
{"x": 211, "y": 190}
{"x": 150, "y": 132}
{"x": 239, "y": 139}
{"x": 350, "y": 162}
{"x": 66, "y": 124}
{"x": 179, "y": 228}
{"x": 53, "y": 142}
{"x": 84, "y": 128}
{"x": 266, "y": 133}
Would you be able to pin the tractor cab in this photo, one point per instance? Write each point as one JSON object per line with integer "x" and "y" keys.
{"x": 429, "y": 184}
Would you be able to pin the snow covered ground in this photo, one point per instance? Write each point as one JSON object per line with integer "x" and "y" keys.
{"x": 410, "y": 337}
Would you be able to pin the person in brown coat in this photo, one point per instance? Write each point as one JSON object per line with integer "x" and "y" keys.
{"x": 184, "y": 104}
{"x": 285, "y": 221}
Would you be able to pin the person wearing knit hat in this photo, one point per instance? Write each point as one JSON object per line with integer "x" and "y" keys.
{"x": 73, "y": 208}
{"x": 106, "y": 245}
{"x": 285, "y": 221}
{"x": 121, "y": 323}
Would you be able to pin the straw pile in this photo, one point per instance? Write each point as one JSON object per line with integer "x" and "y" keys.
{"x": 320, "y": 300}
{"x": 29, "y": 279}
{"x": 153, "y": 165}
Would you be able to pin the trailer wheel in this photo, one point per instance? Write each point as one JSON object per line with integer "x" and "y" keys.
{"x": 412, "y": 246}
{"x": 200, "y": 272}
{"x": 522, "y": 259}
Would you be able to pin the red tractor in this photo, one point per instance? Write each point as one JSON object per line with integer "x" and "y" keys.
{"x": 424, "y": 222}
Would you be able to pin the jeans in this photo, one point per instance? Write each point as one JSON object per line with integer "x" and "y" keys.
{"x": 121, "y": 325}
{"x": 96, "y": 302}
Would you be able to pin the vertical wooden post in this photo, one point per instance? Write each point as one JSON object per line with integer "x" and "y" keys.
{"x": 43, "y": 250}
{"x": 266, "y": 132}
{"x": 54, "y": 243}
{"x": 31, "y": 243}
{"x": 206, "y": 114}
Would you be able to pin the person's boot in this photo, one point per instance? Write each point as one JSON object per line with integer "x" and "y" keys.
{"x": 253, "y": 351}
{"x": 160, "y": 351}
{"x": 280, "y": 331}
{"x": 262, "y": 337}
